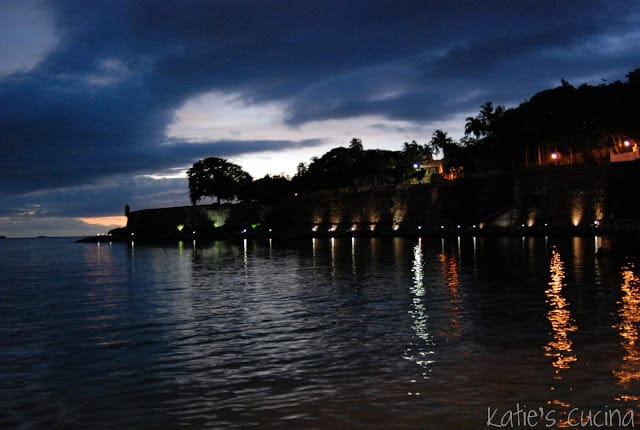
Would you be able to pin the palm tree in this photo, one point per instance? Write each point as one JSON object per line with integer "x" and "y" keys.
{"x": 439, "y": 142}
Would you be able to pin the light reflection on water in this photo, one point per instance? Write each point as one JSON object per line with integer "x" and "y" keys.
{"x": 420, "y": 350}
{"x": 628, "y": 327}
{"x": 325, "y": 333}
{"x": 560, "y": 347}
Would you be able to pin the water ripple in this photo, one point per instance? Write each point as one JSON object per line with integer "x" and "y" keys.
{"x": 366, "y": 333}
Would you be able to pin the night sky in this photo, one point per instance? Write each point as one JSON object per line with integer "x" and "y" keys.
{"x": 104, "y": 103}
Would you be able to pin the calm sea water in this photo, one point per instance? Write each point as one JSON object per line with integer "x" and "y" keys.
{"x": 324, "y": 333}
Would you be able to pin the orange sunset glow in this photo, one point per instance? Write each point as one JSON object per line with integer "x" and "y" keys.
{"x": 106, "y": 221}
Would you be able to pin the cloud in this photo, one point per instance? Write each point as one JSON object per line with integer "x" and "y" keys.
{"x": 27, "y": 36}
{"x": 47, "y": 226}
{"x": 111, "y": 222}
{"x": 96, "y": 95}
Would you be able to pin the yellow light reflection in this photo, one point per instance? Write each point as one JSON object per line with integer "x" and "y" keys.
{"x": 629, "y": 314}
{"x": 560, "y": 346}
{"x": 451, "y": 273}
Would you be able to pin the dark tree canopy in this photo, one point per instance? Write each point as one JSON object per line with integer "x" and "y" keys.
{"x": 216, "y": 177}
{"x": 581, "y": 123}
{"x": 346, "y": 167}
{"x": 269, "y": 189}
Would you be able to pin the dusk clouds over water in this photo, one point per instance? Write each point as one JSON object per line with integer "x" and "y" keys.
{"x": 104, "y": 103}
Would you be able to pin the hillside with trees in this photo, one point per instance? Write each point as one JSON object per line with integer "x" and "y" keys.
{"x": 575, "y": 124}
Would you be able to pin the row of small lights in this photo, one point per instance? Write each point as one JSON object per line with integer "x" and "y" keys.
{"x": 372, "y": 227}
{"x": 396, "y": 227}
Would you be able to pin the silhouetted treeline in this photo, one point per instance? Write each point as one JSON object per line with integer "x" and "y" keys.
{"x": 568, "y": 120}
{"x": 574, "y": 123}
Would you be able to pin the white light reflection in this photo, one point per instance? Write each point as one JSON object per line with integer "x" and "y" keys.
{"x": 421, "y": 350}
{"x": 245, "y": 258}
{"x": 313, "y": 252}
{"x": 475, "y": 255}
{"x": 333, "y": 259}
{"x": 132, "y": 256}
{"x": 353, "y": 255}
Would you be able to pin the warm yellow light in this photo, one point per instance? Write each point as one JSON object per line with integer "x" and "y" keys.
{"x": 577, "y": 210}
{"x": 560, "y": 346}
{"x": 555, "y": 155}
{"x": 180, "y": 227}
{"x": 396, "y": 227}
{"x": 629, "y": 306}
{"x": 627, "y": 143}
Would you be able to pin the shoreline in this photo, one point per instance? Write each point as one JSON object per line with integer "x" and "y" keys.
{"x": 348, "y": 233}
{"x": 613, "y": 240}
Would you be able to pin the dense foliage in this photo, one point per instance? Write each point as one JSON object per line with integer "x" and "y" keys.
{"x": 575, "y": 122}
{"x": 216, "y": 177}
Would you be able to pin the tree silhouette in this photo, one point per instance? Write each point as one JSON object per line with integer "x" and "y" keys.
{"x": 356, "y": 144}
{"x": 439, "y": 142}
{"x": 269, "y": 189}
{"x": 415, "y": 152}
{"x": 482, "y": 127}
{"x": 216, "y": 177}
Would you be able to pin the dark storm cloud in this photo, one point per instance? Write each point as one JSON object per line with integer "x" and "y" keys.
{"x": 99, "y": 104}
{"x": 503, "y": 53}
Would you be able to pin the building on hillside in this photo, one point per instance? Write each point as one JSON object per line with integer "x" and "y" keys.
{"x": 430, "y": 168}
{"x": 625, "y": 151}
